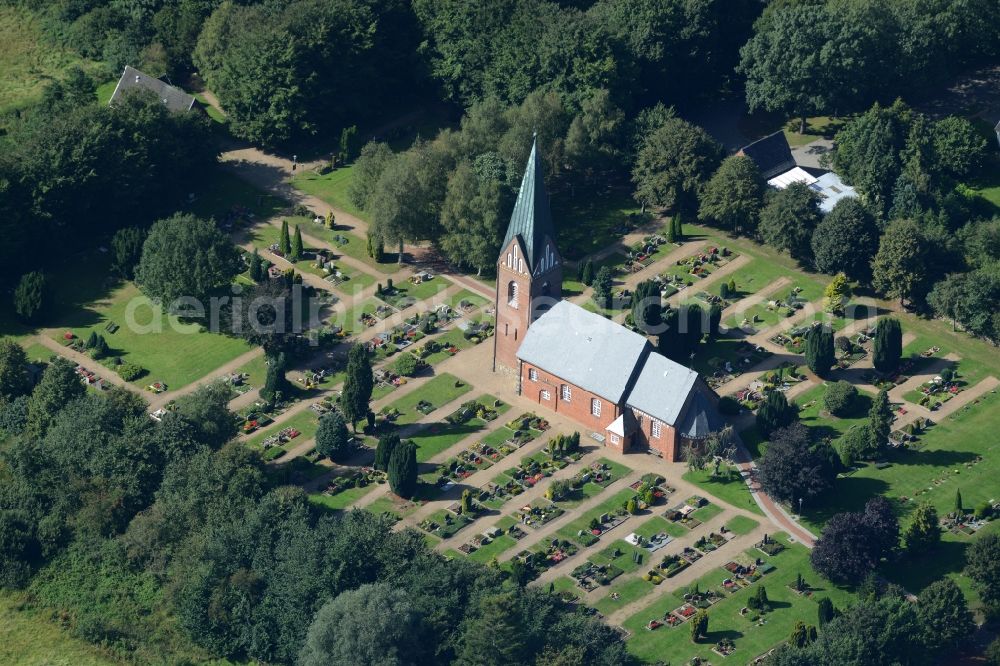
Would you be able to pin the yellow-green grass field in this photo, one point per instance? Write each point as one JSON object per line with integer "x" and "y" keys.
{"x": 29, "y": 60}
{"x": 29, "y": 638}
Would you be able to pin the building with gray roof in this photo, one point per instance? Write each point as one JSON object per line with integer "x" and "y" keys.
{"x": 601, "y": 374}
{"x": 173, "y": 98}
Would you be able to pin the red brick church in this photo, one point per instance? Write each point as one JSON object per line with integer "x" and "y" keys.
{"x": 574, "y": 362}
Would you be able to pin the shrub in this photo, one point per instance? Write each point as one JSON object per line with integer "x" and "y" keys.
{"x": 130, "y": 371}
{"x": 983, "y": 510}
{"x": 407, "y": 365}
{"x": 840, "y": 398}
{"x": 728, "y": 405}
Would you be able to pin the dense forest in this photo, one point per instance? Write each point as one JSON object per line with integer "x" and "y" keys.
{"x": 168, "y": 539}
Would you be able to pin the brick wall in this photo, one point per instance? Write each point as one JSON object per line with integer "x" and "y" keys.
{"x": 667, "y": 443}
{"x": 577, "y": 408}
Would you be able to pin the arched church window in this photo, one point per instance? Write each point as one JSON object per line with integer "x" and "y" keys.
{"x": 512, "y": 293}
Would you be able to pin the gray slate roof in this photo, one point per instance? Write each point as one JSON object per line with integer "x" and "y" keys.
{"x": 662, "y": 388}
{"x": 173, "y": 98}
{"x": 701, "y": 418}
{"x": 531, "y": 219}
{"x": 772, "y": 155}
{"x": 585, "y": 349}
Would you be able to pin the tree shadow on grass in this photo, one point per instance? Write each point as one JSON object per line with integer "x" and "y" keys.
{"x": 916, "y": 573}
{"x": 933, "y": 458}
{"x": 849, "y": 494}
{"x": 713, "y": 637}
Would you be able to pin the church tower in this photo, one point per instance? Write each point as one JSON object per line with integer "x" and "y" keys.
{"x": 529, "y": 269}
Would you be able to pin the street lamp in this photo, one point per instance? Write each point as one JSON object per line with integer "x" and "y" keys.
{"x": 800, "y": 506}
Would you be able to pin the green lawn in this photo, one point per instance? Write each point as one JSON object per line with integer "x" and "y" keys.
{"x": 212, "y": 112}
{"x": 610, "y": 505}
{"x": 724, "y": 620}
{"x": 386, "y": 505}
{"x": 437, "y": 437}
{"x": 331, "y": 188}
{"x": 603, "y": 212}
{"x": 493, "y": 549}
{"x": 987, "y": 184}
{"x": 581, "y": 494}
{"x": 623, "y": 559}
{"x": 29, "y": 637}
{"x": 616, "y": 469}
{"x": 31, "y": 60}
{"x": 222, "y": 191}
{"x": 38, "y": 352}
{"x": 105, "y": 91}
{"x": 438, "y": 391}
{"x": 566, "y": 584}
{"x": 265, "y": 235}
{"x": 728, "y": 487}
{"x": 305, "y": 422}
{"x": 707, "y": 512}
{"x": 257, "y": 371}
{"x": 946, "y": 462}
{"x": 341, "y": 500}
{"x": 658, "y": 525}
{"x": 979, "y": 359}
{"x": 355, "y": 246}
{"x": 755, "y": 276}
{"x": 350, "y": 319}
{"x": 742, "y": 525}
{"x": 812, "y": 413}
{"x": 761, "y": 317}
{"x": 155, "y": 340}
{"x": 628, "y": 591}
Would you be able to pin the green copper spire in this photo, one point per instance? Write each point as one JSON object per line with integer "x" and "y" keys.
{"x": 531, "y": 219}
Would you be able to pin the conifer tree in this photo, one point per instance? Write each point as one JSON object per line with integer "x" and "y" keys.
{"x": 836, "y": 294}
{"x": 588, "y": 272}
{"x": 403, "y": 469}
{"x": 256, "y": 269}
{"x": 274, "y": 382}
{"x": 332, "y": 438}
{"x": 358, "y": 385}
{"x": 383, "y": 451}
{"x": 284, "y": 242}
{"x": 297, "y": 244}
{"x": 887, "y": 346}
{"x": 880, "y": 423}
{"x": 819, "y": 349}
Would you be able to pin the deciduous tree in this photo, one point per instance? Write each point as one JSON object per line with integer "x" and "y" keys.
{"x": 374, "y": 624}
{"x": 845, "y": 240}
{"x": 186, "y": 256}
{"x": 673, "y": 165}
{"x": 733, "y": 196}
{"x": 898, "y": 270}
{"x": 789, "y": 218}
{"x": 923, "y": 532}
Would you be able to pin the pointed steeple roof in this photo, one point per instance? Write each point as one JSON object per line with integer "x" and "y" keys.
{"x": 531, "y": 219}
